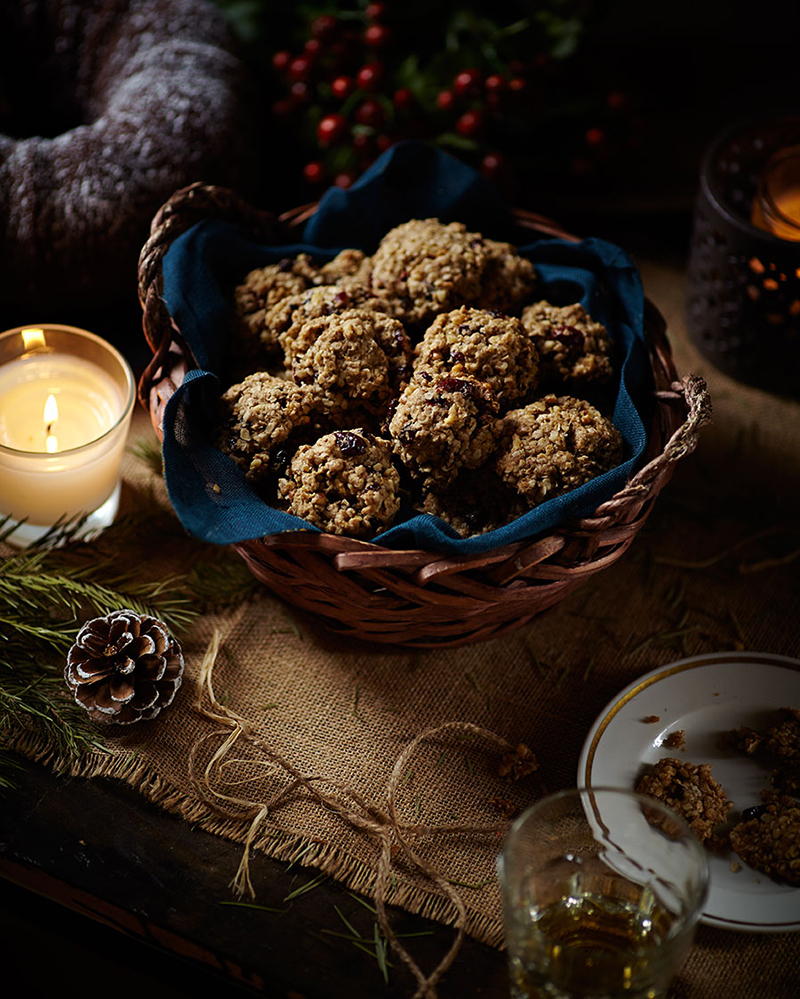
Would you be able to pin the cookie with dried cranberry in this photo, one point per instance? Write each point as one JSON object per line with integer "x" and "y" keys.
{"x": 508, "y": 279}
{"x": 489, "y": 346}
{"x": 424, "y": 267}
{"x": 574, "y": 348}
{"x": 262, "y": 288}
{"x": 770, "y": 841}
{"x": 353, "y": 358}
{"x": 344, "y": 483}
{"x": 555, "y": 444}
{"x": 693, "y": 792}
{"x": 284, "y": 320}
{"x": 257, "y": 415}
{"x": 440, "y": 426}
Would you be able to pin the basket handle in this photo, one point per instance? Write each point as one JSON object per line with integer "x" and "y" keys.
{"x": 189, "y": 205}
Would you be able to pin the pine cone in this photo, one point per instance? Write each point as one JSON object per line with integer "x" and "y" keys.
{"x": 124, "y": 667}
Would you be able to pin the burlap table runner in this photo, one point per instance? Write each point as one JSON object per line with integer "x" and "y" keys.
{"x": 298, "y": 744}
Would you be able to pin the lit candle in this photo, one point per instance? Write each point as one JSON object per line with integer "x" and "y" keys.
{"x": 776, "y": 206}
{"x": 66, "y": 398}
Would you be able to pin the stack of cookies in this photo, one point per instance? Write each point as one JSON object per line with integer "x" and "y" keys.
{"x": 430, "y": 377}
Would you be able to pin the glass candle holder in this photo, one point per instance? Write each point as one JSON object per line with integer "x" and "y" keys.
{"x": 776, "y": 206}
{"x": 743, "y": 280}
{"x": 66, "y": 399}
{"x": 602, "y": 890}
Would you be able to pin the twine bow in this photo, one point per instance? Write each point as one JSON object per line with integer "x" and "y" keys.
{"x": 381, "y": 824}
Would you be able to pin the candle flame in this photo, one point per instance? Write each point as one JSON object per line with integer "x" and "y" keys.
{"x": 50, "y": 419}
{"x": 50, "y": 411}
{"x": 33, "y": 338}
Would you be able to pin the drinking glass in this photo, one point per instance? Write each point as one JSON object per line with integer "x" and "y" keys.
{"x": 602, "y": 890}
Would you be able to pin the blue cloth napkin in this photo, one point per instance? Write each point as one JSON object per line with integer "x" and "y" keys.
{"x": 209, "y": 493}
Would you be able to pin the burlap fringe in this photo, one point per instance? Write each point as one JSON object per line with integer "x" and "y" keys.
{"x": 243, "y": 821}
{"x": 379, "y": 823}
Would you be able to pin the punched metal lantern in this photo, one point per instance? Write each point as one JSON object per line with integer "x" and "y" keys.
{"x": 743, "y": 290}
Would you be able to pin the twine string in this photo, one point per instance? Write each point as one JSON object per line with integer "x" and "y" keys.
{"x": 382, "y": 824}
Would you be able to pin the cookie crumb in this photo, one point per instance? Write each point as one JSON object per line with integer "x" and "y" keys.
{"x": 675, "y": 740}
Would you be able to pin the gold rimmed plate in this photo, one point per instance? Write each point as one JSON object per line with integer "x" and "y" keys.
{"x": 704, "y": 697}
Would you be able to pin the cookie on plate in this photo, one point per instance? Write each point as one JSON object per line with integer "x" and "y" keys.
{"x": 693, "y": 792}
{"x": 770, "y": 842}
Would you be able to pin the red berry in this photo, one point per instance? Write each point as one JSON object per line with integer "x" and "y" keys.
{"x": 281, "y": 60}
{"x": 375, "y": 11}
{"x": 403, "y": 99}
{"x": 467, "y": 82}
{"x": 594, "y": 136}
{"x": 517, "y": 84}
{"x": 383, "y": 142}
{"x": 323, "y": 26}
{"x": 342, "y": 86}
{"x": 300, "y": 91}
{"x": 314, "y": 172}
{"x": 312, "y": 48}
{"x": 469, "y": 123}
{"x": 299, "y": 68}
{"x": 344, "y": 179}
{"x": 445, "y": 99}
{"x": 492, "y": 164}
{"x": 617, "y": 99}
{"x": 369, "y": 76}
{"x": 362, "y": 143}
{"x": 494, "y": 84}
{"x": 331, "y": 128}
{"x": 369, "y": 113}
{"x": 377, "y": 35}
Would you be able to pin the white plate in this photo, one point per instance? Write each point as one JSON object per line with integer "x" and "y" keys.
{"x": 705, "y": 696}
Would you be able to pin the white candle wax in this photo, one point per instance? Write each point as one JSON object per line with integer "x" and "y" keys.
{"x": 63, "y": 425}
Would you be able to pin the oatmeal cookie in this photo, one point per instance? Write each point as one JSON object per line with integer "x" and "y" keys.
{"x": 284, "y": 320}
{"x": 771, "y": 842}
{"x": 424, "y": 267}
{"x": 258, "y": 414}
{"x": 691, "y": 791}
{"x": 555, "y": 444}
{"x": 508, "y": 278}
{"x": 573, "y": 348}
{"x": 345, "y": 483}
{"x": 345, "y": 357}
{"x": 263, "y": 288}
{"x": 440, "y": 427}
{"x": 778, "y": 746}
{"x": 348, "y": 267}
{"x": 485, "y": 345}
{"x": 475, "y": 502}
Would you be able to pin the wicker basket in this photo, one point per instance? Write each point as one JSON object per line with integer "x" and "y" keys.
{"x": 413, "y": 597}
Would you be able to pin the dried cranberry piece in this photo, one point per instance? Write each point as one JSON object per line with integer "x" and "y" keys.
{"x": 570, "y": 337}
{"x": 350, "y": 444}
{"x": 285, "y": 264}
{"x": 753, "y": 813}
{"x": 455, "y": 385}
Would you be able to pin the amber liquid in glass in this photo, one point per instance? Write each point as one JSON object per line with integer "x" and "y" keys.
{"x": 592, "y": 947}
